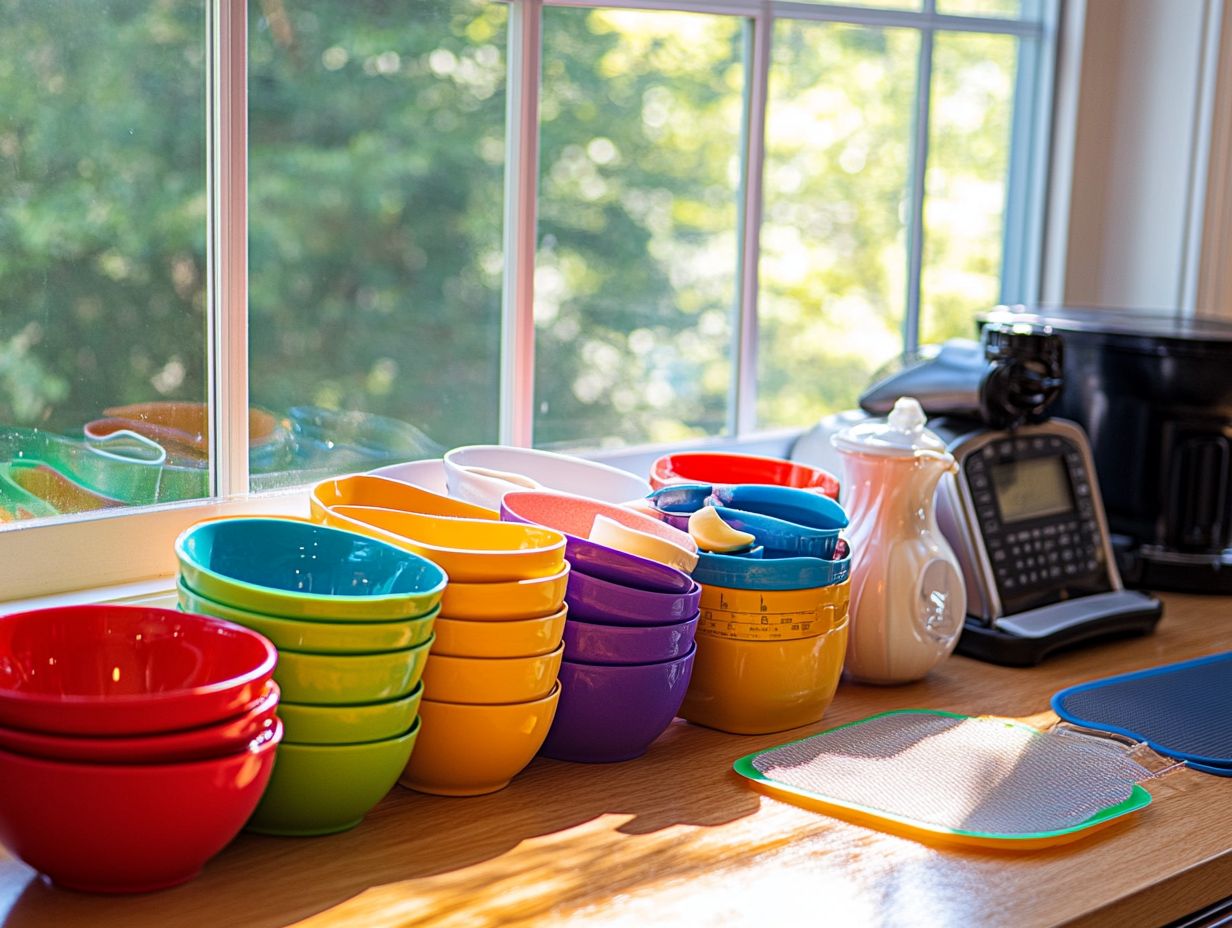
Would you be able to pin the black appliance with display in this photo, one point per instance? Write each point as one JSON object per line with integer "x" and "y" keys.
{"x": 1154, "y": 394}
{"x": 1024, "y": 512}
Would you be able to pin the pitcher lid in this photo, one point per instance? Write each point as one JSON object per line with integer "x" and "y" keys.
{"x": 901, "y": 434}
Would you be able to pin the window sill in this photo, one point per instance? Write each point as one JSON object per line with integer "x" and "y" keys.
{"x": 129, "y": 556}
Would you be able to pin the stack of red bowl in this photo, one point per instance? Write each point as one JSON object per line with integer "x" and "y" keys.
{"x": 134, "y": 742}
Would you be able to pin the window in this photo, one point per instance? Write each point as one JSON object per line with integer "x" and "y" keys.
{"x": 248, "y": 243}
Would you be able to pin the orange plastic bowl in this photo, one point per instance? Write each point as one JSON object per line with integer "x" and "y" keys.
{"x": 757, "y": 687}
{"x": 513, "y": 599}
{"x": 513, "y": 638}
{"x": 469, "y": 750}
{"x": 490, "y": 680}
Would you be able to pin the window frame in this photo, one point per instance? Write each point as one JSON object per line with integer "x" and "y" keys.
{"x": 125, "y": 550}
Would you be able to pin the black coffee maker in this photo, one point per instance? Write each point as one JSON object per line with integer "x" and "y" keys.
{"x": 1154, "y": 394}
{"x": 1023, "y": 512}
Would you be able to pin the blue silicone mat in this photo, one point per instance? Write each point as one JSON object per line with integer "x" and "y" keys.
{"x": 1181, "y": 710}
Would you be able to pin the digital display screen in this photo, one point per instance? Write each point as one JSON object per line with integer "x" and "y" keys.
{"x": 1032, "y": 489}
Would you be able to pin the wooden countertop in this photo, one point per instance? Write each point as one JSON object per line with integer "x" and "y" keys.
{"x": 675, "y": 838}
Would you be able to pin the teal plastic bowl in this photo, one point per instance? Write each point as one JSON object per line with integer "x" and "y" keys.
{"x": 297, "y": 569}
{"x": 313, "y": 636}
{"x": 372, "y": 721}
{"x": 350, "y": 679}
{"x": 320, "y": 789}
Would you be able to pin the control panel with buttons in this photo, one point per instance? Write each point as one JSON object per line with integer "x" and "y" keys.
{"x": 1036, "y": 513}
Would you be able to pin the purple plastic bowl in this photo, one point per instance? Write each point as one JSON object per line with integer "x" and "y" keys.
{"x": 610, "y": 713}
{"x": 596, "y": 643}
{"x": 611, "y": 564}
{"x": 596, "y": 600}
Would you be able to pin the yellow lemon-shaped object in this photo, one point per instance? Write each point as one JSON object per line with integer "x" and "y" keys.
{"x": 713, "y": 534}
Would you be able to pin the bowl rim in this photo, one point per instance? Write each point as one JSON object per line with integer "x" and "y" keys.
{"x": 663, "y": 469}
{"x": 557, "y": 651}
{"x": 477, "y": 512}
{"x": 694, "y": 619}
{"x": 267, "y": 704}
{"x": 553, "y": 693}
{"x": 262, "y": 670}
{"x": 184, "y": 557}
{"x": 616, "y": 600}
{"x": 561, "y": 613}
{"x": 182, "y": 587}
{"x": 769, "y": 574}
{"x": 417, "y": 692}
{"x": 454, "y": 467}
{"x": 262, "y": 744}
{"x": 605, "y": 668}
{"x": 583, "y": 553}
{"x": 407, "y": 735}
{"x": 474, "y": 585}
{"x": 344, "y": 513}
{"x": 388, "y": 655}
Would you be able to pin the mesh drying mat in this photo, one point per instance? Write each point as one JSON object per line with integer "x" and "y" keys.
{"x": 1181, "y": 710}
{"x": 953, "y": 775}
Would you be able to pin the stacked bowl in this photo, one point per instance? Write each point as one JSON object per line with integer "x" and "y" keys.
{"x": 352, "y": 619}
{"x": 722, "y": 468}
{"x": 490, "y": 684}
{"x": 134, "y": 742}
{"x": 629, "y": 636}
{"x": 483, "y": 474}
{"x": 773, "y": 626}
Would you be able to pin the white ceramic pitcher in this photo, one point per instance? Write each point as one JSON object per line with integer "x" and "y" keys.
{"x": 908, "y": 600}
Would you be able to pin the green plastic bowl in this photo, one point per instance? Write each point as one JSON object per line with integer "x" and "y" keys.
{"x": 348, "y": 679}
{"x": 296, "y": 569}
{"x": 373, "y": 721}
{"x": 320, "y": 789}
{"x": 314, "y": 636}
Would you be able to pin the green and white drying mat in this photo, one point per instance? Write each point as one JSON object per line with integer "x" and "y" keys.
{"x": 942, "y": 777}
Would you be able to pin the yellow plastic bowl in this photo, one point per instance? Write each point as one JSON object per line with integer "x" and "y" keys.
{"x": 491, "y": 680}
{"x": 384, "y": 493}
{"x": 515, "y": 638}
{"x": 470, "y": 750}
{"x": 470, "y": 550}
{"x": 757, "y": 687}
{"x": 790, "y": 613}
{"x": 513, "y": 599}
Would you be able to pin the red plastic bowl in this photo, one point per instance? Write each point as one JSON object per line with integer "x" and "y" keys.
{"x": 722, "y": 468}
{"x": 226, "y": 737}
{"x": 126, "y": 670}
{"x": 116, "y": 828}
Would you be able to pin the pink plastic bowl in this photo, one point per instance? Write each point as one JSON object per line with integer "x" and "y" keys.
{"x": 126, "y": 670}
{"x": 226, "y": 737}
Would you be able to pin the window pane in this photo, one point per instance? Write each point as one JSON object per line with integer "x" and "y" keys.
{"x": 375, "y": 186}
{"x": 968, "y": 164}
{"x": 1004, "y": 9}
{"x": 102, "y": 254}
{"x": 833, "y": 238}
{"x": 881, "y": 4}
{"x": 636, "y": 275}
